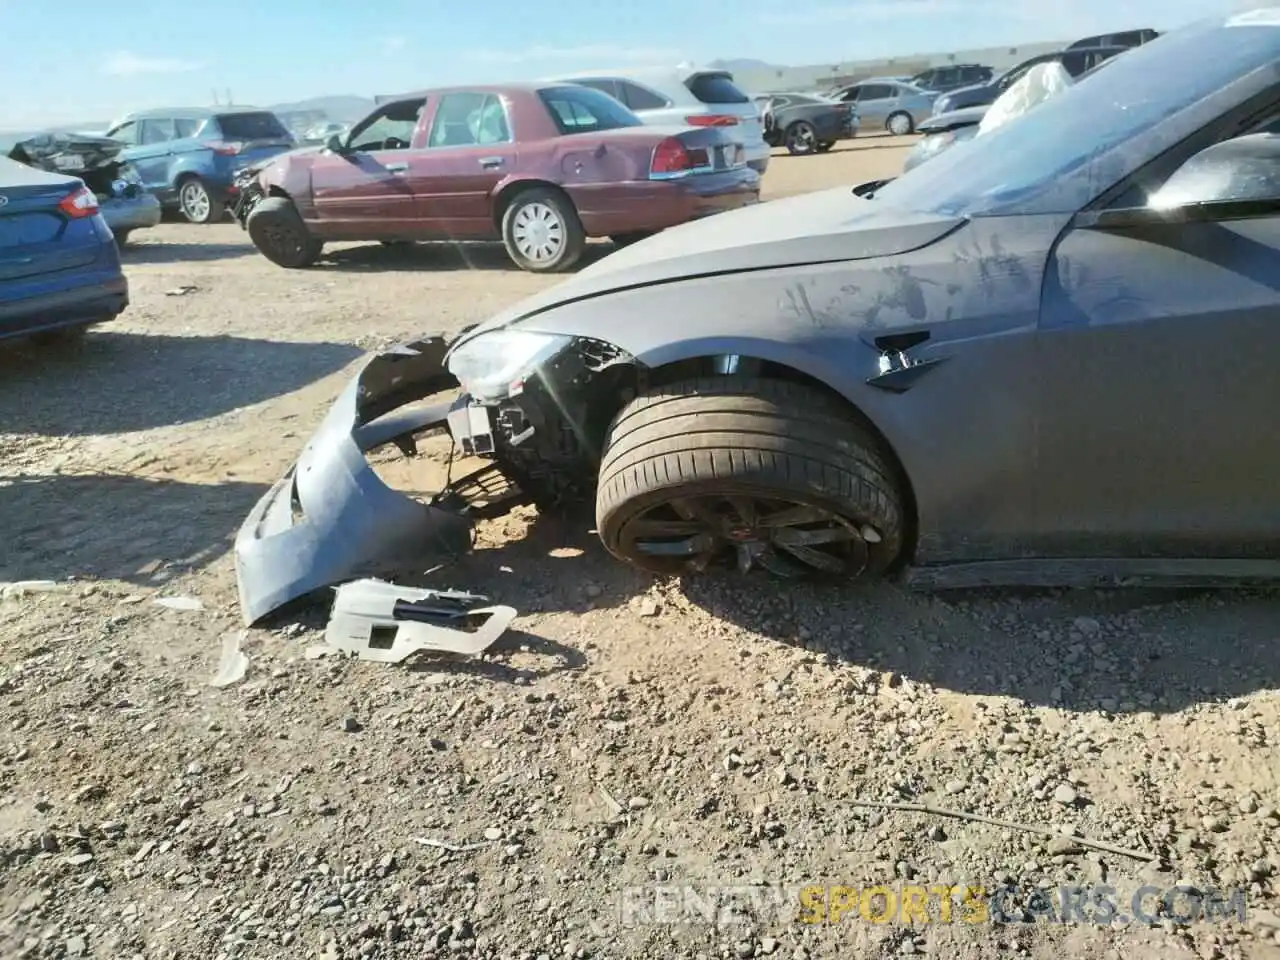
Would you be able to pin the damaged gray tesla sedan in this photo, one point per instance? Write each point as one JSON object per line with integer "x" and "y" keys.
{"x": 1049, "y": 358}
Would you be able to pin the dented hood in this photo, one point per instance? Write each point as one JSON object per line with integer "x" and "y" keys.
{"x": 824, "y": 227}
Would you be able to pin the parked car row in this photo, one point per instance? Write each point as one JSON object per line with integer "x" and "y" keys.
{"x": 539, "y": 166}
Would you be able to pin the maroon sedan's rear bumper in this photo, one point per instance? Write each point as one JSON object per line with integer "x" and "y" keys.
{"x": 642, "y": 206}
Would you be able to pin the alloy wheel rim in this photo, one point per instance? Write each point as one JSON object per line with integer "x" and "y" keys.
{"x": 803, "y": 137}
{"x": 899, "y": 125}
{"x": 195, "y": 201}
{"x": 788, "y": 537}
{"x": 538, "y": 232}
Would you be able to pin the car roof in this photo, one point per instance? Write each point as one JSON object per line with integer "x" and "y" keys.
{"x": 651, "y": 75}
{"x": 521, "y": 86}
{"x": 190, "y": 113}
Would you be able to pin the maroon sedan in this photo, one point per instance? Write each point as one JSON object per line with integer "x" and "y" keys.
{"x": 540, "y": 167}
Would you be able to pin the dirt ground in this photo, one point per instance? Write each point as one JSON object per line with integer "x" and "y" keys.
{"x": 709, "y": 736}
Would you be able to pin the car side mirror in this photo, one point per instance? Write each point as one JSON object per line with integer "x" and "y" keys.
{"x": 335, "y": 144}
{"x": 1236, "y": 179}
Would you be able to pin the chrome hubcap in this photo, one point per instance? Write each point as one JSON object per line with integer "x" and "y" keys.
{"x": 538, "y": 232}
{"x": 195, "y": 201}
{"x": 899, "y": 125}
{"x": 803, "y": 137}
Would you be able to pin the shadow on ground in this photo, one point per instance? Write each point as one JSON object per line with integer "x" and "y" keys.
{"x": 1123, "y": 650}
{"x": 116, "y": 527}
{"x": 118, "y": 382}
{"x": 377, "y": 258}
{"x": 141, "y": 250}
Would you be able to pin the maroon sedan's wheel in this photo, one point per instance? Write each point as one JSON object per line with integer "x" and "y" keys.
{"x": 542, "y": 232}
{"x": 752, "y": 472}
{"x": 279, "y": 233}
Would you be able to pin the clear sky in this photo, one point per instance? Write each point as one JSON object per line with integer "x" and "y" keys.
{"x": 82, "y": 60}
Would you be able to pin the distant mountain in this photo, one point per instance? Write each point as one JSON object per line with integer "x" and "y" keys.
{"x": 342, "y": 109}
{"x": 744, "y": 64}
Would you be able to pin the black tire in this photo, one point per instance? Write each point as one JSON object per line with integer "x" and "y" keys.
{"x": 280, "y": 235}
{"x": 122, "y": 238}
{"x": 534, "y": 205}
{"x": 900, "y": 115}
{"x": 627, "y": 239}
{"x": 197, "y": 203}
{"x": 801, "y": 139}
{"x": 826, "y": 146}
{"x": 747, "y": 437}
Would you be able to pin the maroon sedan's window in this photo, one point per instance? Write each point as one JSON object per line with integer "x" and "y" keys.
{"x": 468, "y": 120}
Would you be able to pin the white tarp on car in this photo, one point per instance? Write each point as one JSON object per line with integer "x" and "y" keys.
{"x": 1039, "y": 84}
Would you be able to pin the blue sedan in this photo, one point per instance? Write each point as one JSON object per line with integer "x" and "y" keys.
{"x": 59, "y": 265}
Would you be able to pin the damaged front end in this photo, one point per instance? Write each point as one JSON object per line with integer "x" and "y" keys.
{"x": 124, "y": 202}
{"x": 249, "y": 193}
{"x": 332, "y": 519}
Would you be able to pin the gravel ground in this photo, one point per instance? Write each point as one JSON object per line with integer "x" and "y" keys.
{"x": 631, "y": 732}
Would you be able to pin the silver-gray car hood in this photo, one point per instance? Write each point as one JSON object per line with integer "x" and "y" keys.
{"x": 824, "y": 227}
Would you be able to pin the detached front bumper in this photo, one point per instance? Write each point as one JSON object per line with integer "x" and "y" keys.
{"x": 331, "y": 519}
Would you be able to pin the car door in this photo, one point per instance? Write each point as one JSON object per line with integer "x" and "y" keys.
{"x": 154, "y": 152}
{"x": 1160, "y": 342}
{"x": 470, "y": 150}
{"x": 366, "y": 192}
{"x": 875, "y": 102}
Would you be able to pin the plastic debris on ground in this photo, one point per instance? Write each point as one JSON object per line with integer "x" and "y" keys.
{"x": 385, "y": 623}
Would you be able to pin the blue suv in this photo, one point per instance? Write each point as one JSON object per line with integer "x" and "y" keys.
{"x": 189, "y": 157}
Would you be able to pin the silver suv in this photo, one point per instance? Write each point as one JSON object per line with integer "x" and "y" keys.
{"x": 686, "y": 97}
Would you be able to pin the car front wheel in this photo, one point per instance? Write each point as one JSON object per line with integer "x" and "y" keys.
{"x": 900, "y": 124}
{"x": 196, "y": 203}
{"x": 750, "y": 472}
{"x": 279, "y": 233}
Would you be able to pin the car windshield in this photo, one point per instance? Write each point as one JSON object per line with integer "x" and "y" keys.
{"x": 1075, "y": 145}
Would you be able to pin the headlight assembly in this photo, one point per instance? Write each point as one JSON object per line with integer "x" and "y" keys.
{"x": 491, "y": 364}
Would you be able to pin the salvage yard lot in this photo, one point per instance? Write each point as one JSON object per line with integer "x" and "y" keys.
{"x": 706, "y": 731}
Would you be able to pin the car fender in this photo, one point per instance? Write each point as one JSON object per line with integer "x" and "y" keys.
{"x": 189, "y": 163}
{"x": 830, "y": 322}
{"x": 509, "y": 185}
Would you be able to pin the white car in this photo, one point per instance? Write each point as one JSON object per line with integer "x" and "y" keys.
{"x": 686, "y": 97}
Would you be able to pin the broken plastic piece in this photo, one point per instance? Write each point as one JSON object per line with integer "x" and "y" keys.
{"x": 234, "y": 663}
{"x": 179, "y": 603}
{"x": 331, "y": 518}
{"x": 382, "y": 622}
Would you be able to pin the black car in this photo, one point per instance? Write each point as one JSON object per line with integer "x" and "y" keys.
{"x": 806, "y": 124}
{"x": 1076, "y": 61}
{"x": 953, "y": 76}
{"x": 1127, "y": 38}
